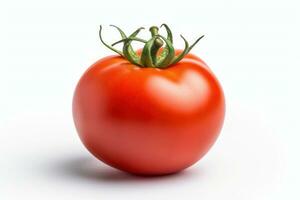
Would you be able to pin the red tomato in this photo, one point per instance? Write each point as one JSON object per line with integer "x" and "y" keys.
{"x": 148, "y": 121}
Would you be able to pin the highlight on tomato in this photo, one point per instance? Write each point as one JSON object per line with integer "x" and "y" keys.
{"x": 153, "y": 111}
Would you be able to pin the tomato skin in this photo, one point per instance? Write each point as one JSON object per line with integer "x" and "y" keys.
{"x": 148, "y": 121}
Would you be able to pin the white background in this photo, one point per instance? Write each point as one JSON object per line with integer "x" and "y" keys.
{"x": 252, "y": 46}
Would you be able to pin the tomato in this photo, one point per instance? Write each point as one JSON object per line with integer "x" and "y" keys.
{"x": 148, "y": 120}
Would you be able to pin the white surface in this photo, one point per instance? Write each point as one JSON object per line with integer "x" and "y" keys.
{"x": 253, "y": 48}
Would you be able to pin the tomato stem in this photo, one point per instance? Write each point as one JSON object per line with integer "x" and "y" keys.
{"x": 150, "y": 56}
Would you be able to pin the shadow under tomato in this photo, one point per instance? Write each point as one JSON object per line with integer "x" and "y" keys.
{"x": 90, "y": 169}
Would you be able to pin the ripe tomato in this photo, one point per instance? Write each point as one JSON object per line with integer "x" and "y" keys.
{"x": 148, "y": 121}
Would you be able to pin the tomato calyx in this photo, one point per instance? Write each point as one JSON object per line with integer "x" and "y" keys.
{"x": 149, "y": 56}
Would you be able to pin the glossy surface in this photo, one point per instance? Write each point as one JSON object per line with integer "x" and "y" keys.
{"x": 147, "y": 120}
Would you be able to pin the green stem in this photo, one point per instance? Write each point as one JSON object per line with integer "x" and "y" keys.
{"x": 149, "y": 56}
{"x": 157, "y": 44}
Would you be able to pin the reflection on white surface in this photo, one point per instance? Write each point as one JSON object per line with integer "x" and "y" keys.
{"x": 188, "y": 91}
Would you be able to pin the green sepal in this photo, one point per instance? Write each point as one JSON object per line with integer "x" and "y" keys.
{"x": 186, "y": 50}
{"x": 128, "y": 51}
{"x": 168, "y": 54}
{"x": 108, "y": 46}
{"x": 146, "y": 58}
